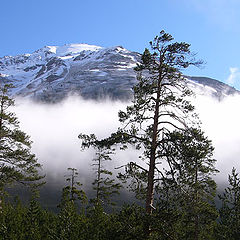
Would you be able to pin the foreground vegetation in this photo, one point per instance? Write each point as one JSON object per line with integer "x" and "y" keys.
{"x": 173, "y": 174}
{"x": 172, "y": 219}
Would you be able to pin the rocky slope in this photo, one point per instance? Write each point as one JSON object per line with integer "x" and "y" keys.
{"x": 52, "y": 73}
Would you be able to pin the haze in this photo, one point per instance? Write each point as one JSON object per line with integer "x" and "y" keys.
{"x": 54, "y": 131}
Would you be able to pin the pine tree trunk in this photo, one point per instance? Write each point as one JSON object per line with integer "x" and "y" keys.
{"x": 98, "y": 180}
{"x": 150, "y": 185}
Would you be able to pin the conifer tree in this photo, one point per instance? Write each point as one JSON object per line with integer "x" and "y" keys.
{"x": 34, "y": 220}
{"x": 159, "y": 103}
{"x": 104, "y": 186}
{"x": 68, "y": 216}
{"x": 73, "y": 191}
{"x": 189, "y": 187}
{"x": 17, "y": 163}
{"x": 159, "y": 106}
{"x": 229, "y": 227}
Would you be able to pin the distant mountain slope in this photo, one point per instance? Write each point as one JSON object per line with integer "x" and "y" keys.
{"x": 53, "y": 72}
{"x": 215, "y": 88}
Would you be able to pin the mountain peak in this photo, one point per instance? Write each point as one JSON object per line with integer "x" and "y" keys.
{"x": 53, "y": 72}
{"x": 69, "y": 49}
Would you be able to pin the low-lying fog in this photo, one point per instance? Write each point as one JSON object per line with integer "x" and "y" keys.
{"x": 54, "y": 130}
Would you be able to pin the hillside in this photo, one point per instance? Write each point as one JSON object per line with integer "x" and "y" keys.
{"x": 53, "y": 72}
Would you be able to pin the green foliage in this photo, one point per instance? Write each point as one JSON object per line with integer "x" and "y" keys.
{"x": 12, "y": 221}
{"x": 187, "y": 193}
{"x": 98, "y": 223}
{"x": 132, "y": 221}
{"x": 75, "y": 193}
{"x": 68, "y": 222}
{"x": 229, "y": 227}
{"x": 135, "y": 177}
{"x": 72, "y": 193}
{"x": 104, "y": 186}
{"x": 18, "y": 222}
{"x": 159, "y": 106}
{"x": 17, "y": 163}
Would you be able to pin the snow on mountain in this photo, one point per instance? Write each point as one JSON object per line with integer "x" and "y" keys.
{"x": 72, "y": 49}
{"x": 53, "y": 72}
{"x": 210, "y": 87}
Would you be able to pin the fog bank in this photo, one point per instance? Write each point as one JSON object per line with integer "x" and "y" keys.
{"x": 54, "y": 131}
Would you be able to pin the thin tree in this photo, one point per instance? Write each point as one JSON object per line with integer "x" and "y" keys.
{"x": 229, "y": 227}
{"x": 73, "y": 191}
{"x": 68, "y": 215}
{"x": 104, "y": 185}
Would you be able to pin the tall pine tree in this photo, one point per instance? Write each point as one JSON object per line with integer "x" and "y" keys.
{"x": 17, "y": 163}
{"x": 159, "y": 103}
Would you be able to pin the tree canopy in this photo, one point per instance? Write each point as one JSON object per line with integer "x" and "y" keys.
{"x": 17, "y": 163}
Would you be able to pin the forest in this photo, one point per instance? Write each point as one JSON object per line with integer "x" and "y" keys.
{"x": 172, "y": 177}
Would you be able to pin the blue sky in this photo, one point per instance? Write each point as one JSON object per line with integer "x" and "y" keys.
{"x": 210, "y": 26}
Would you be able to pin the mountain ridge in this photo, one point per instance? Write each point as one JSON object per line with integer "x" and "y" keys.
{"x": 52, "y": 73}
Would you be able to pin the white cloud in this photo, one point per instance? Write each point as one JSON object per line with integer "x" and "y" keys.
{"x": 54, "y": 130}
{"x": 221, "y": 124}
{"x": 234, "y": 76}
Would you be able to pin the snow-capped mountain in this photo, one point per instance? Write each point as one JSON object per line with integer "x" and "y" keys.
{"x": 53, "y": 72}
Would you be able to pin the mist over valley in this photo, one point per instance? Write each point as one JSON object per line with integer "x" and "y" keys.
{"x": 54, "y": 130}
